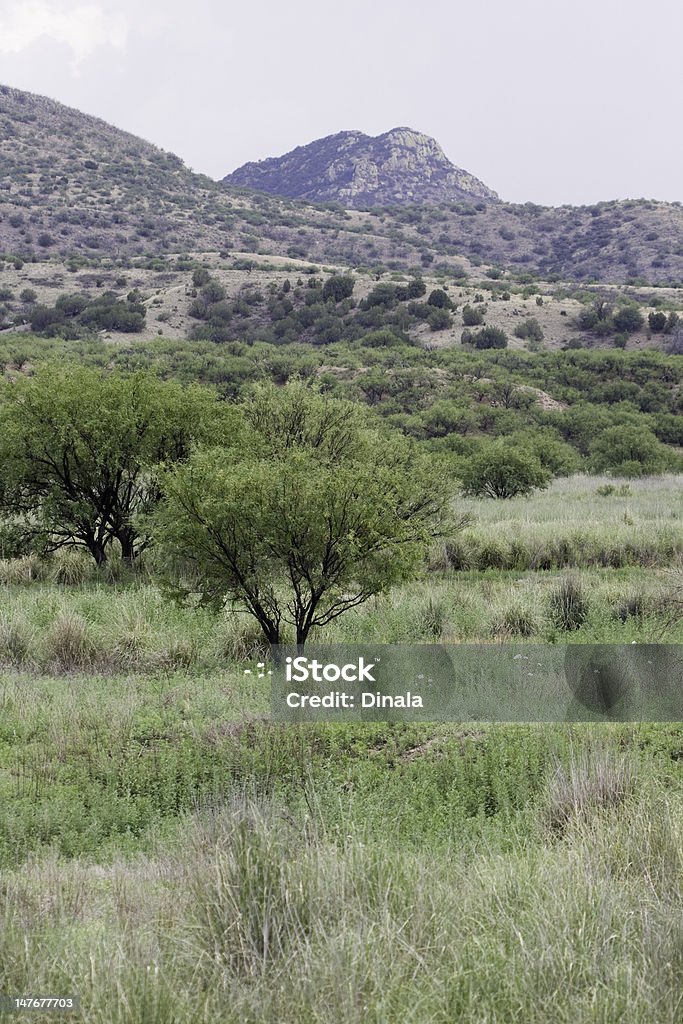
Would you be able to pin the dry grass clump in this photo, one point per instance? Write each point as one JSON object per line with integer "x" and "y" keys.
{"x": 27, "y": 569}
{"x": 431, "y": 617}
{"x": 633, "y": 605}
{"x": 517, "y": 620}
{"x": 241, "y": 640}
{"x": 71, "y": 567}
{"x": 68, "y": 645}
{"x": 594, "y": 780}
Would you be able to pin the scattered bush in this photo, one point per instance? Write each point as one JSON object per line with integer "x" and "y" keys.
{"x": 529, "y": 330}
{"x": 472, "y": 317}
{"x": 490, "y": 337}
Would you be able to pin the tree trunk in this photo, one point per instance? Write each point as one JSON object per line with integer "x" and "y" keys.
{"x": 127, "y": 540}
{"x": 97, "y": 550}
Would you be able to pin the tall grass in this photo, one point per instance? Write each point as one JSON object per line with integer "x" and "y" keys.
{"x": 260, "y": 917}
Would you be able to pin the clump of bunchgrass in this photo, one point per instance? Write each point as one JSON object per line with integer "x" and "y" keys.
{"x": 633, "y": 605}
{"x": 431, "y": 617}
{"x": 568, "y": 605}
{"x": 241, "y": 640}
{"x": 71, "y": 567}
{"x": 27, "y": 569}
{"x": 594, "y": 780}
{"x": 68, "y": 645}
{"x": 16, "y": 641}
{"x": 517, "y": 620}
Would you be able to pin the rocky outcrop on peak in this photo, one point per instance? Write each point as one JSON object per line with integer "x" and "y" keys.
{"x": 401, "y": 167}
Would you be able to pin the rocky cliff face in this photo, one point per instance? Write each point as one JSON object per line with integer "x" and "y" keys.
{"x": 400, "y": 167}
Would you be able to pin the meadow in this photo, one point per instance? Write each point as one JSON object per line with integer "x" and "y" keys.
{"x": 170, "y": 854}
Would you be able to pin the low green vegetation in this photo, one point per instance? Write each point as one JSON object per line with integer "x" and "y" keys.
{"x": 170, "y": 854}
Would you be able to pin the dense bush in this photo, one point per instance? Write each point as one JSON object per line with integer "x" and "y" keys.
{"x": 338, "y": 287}
{"x": 628, "y": 450}
{"x": 499, "y": 470}
{"x": 439, "y": 319}
{"x": 76, "y": 313}
{"x": 490, "y": 337}
{"x": 439, "y": 298}
{"x": 472, "y": 317}
{"x": 628, "y": 319}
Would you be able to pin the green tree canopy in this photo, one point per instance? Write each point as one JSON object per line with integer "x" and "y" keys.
{"x": 78, "y": 448}
{"x": 628, "y": 450}
{"x": 313, "y": 513}
{"x": 338, "y": 287}
{"x": 502, "y": 470}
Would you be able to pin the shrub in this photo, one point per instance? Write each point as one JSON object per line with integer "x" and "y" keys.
{"x": 499, "y": 470}
{"x": 200, "y": 277}
{"x": 72, "y": 305}
{"x": 628, "y": 319}
{"x": 530, "y": 330}
{"x": 337, "y": 287}
{"x": 213, "y": 291}
{"x": 490, "y": 337}
{"x": 657, "y": 322}
{"x": 439, "y": 319}
{"x": 439, "y": 299}
{"x": 628, "y": 450}
{"x": 416, "y": 288}
{"x": 472, "y": 317}
{"x": 383, "y": 294}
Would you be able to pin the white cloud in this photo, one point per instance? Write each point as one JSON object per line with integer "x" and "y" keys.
{"x": 83, "y": 29}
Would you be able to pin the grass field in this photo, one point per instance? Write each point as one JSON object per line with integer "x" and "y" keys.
{"x": 169, "y": 854}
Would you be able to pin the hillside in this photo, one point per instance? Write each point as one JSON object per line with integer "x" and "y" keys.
{"x": 74, "y": 187}
{"x": 400, "y": 167}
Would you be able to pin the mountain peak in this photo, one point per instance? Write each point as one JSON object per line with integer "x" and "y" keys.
{"x": 401, "y": 166}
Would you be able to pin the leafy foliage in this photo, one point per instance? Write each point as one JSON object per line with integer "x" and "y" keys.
{"x": 73, "y": 314}
{"x": 310, "y": 515}
{"x": 78, "y": 451}
{"x": 499, "y": 471}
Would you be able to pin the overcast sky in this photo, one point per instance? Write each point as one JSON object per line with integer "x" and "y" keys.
{"x": 550, "y": 101}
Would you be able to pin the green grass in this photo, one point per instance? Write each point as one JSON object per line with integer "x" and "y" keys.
{"x": 172, "y": 856}
{"x": 254, "y": 910}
